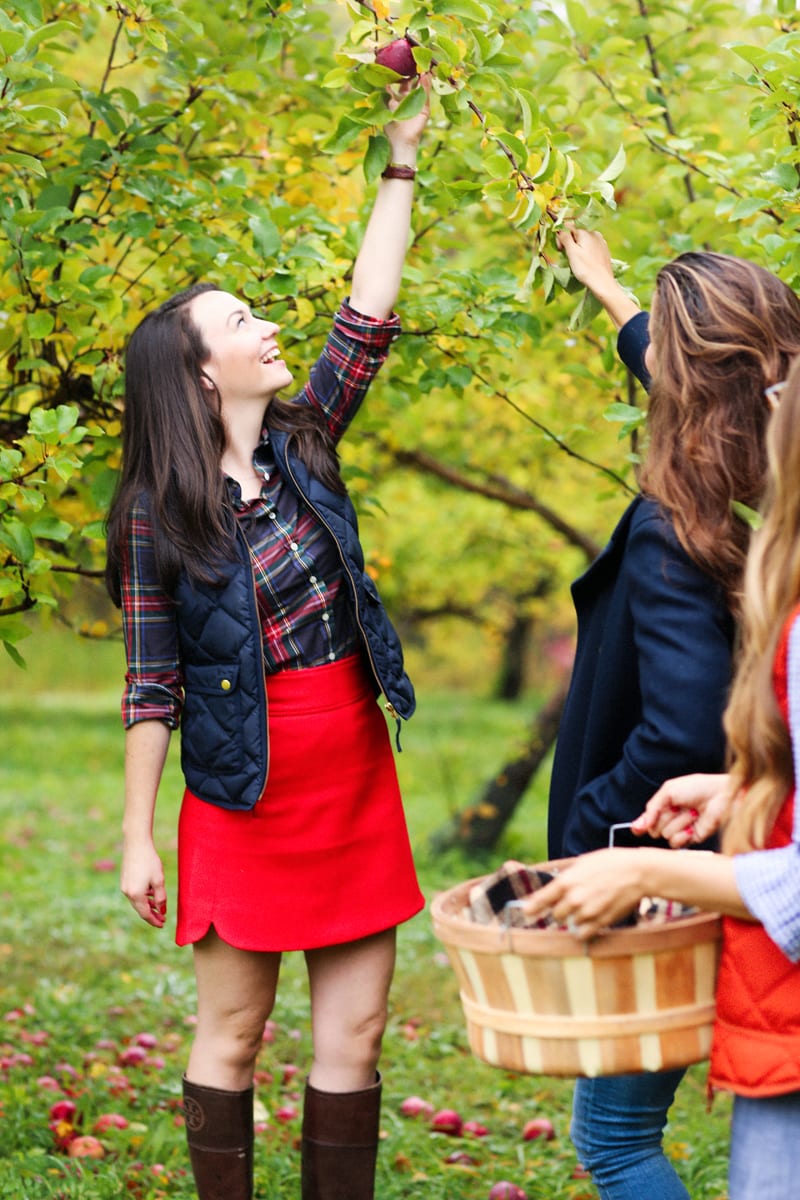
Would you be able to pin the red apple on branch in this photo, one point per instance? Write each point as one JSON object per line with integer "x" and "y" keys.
{"x": 398, "y": 57}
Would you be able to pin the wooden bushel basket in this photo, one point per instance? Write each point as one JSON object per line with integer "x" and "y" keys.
{"x": 639, "y": 998}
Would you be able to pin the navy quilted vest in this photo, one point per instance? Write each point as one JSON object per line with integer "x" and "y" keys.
{"x": 224, "y": 745}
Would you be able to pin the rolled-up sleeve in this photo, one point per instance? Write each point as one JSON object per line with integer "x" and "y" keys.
{"x": 153, "y": 681}
{"x": 769, "y": 880}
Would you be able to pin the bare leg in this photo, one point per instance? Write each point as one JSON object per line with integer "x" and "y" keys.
{"x": 349, "y": 994}
{"x": 341, "y": 1112}
{"x": 235, "y": 995}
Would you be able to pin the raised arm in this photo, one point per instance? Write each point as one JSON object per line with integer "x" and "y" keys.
{"x": 379, "y": 266}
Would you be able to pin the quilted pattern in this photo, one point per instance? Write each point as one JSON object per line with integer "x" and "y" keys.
{"x": 224, "y": 744}
{"x": 223, "y": 727}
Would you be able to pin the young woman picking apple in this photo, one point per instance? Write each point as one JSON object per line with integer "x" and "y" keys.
{"x": 756, "y": 881}
{"x": 656, "y": 610}
{"x": 233, "y": 550}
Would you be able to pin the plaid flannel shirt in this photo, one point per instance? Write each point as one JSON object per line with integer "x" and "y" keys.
{"x": 305, "y": 612}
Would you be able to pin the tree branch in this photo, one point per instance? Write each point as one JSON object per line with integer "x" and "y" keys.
{"x": 496, "y": 488}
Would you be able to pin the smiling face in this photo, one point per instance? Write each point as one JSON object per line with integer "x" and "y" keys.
{"x": 244, "y": 362}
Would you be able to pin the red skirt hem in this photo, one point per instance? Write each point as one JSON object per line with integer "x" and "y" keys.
{"x": 324, "y": 858}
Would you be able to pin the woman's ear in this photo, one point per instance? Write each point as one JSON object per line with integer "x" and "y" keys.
{"x": 207, "y": 382}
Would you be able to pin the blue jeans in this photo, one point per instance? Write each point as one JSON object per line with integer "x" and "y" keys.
{"x": 765, "y": 1148}
{"x": 617, "y": 1127}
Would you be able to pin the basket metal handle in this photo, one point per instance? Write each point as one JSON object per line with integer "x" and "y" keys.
{"x": 614, "y": 828}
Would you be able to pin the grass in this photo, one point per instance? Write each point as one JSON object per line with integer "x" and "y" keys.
{"x": 86, "y": 989}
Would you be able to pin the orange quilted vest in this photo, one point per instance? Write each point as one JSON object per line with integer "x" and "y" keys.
{"x": 756, "y": 1047}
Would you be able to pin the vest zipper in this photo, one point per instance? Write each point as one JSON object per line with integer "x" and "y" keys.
{"x": 261, "y": 661}
{"x": 390, "y": 708}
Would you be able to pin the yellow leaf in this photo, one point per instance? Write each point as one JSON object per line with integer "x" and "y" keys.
{"x": 381, "y": 9}
{"x": 305, "y": 311}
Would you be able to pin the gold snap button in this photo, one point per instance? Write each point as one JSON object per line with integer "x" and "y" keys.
{"x": 225, "y": 685}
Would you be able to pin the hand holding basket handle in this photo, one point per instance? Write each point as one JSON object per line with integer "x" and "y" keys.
{"x": 688, "y": 809}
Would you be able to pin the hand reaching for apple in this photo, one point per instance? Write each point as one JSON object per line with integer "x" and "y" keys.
{"x": 404, "y": 136}
{"x": 142, "y": 882}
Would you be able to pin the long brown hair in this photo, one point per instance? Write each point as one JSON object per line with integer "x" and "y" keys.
{"x": 722, "y": 330}
{"x": 759, "y": 741}
{"x": 173, "y": 439}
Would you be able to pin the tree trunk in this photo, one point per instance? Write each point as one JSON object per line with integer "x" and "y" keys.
{"x": 515, "y": 653}
{"x": 478, "y": 827}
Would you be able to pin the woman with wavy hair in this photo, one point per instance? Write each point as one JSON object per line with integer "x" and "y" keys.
{"x": 755, "y": 882}
{"x": 656, "y": 611}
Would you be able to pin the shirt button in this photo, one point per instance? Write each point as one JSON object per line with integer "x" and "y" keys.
{"x": 331, "y": 656}
{"x": 273, "y": 516}
{"x": 292, "y": 545}
{"x": 326, "y": 616}
{"x": 312, "y": 579}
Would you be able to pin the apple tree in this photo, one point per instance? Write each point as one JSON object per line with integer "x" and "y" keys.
{"x": 148, "y": 145}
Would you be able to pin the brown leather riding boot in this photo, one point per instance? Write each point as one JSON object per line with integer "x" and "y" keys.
{"x": 340, "y": 1143}
{"x": 219, "y": 1133}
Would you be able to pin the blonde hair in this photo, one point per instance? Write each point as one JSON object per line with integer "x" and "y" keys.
{"x": 759, "y": 741}
{"x": 722, "y": 330}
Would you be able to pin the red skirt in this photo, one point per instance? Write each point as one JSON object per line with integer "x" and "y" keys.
{"x": 324, "y": 857}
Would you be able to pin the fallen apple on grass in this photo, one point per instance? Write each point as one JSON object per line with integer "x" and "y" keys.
{"x": 86, "y": 1146}
{"x": 448, "y": 1121}
{"x": 110, "y": 1120}
{"x": 538, "y": 1127}
{"x": 507, "y": 1191}
{"x": 415, "y": 1106}
{"x": 475, "y": 1129}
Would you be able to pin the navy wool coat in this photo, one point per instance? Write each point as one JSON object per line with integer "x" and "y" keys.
{"x": 653, "y": 667}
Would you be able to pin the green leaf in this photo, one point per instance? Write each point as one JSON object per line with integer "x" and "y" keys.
{"x": 586, "y": 310}
{"x": 18, "y": 539}
{"x": 25, "y": 162}
{"x": 43, "y": 114}
{"x": 40, "y": 324}
{"x": 11, "y": 41}
{"x": 269, "y": 45}
{"x": 347, "y": 131}
{"x": 623, "y": 412}
{"x": 51, "y": 528}
{"x": 468, "y": 10}
{"x": 614, "y": 168}
{"x": 266, "y": 238}
{"x": 376, "y": 157}
{"x": 52, "y": 423}
{"x": 11, "y": 650}
{"x": 410, "y": 105}
{"x": 747, "y": 514}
